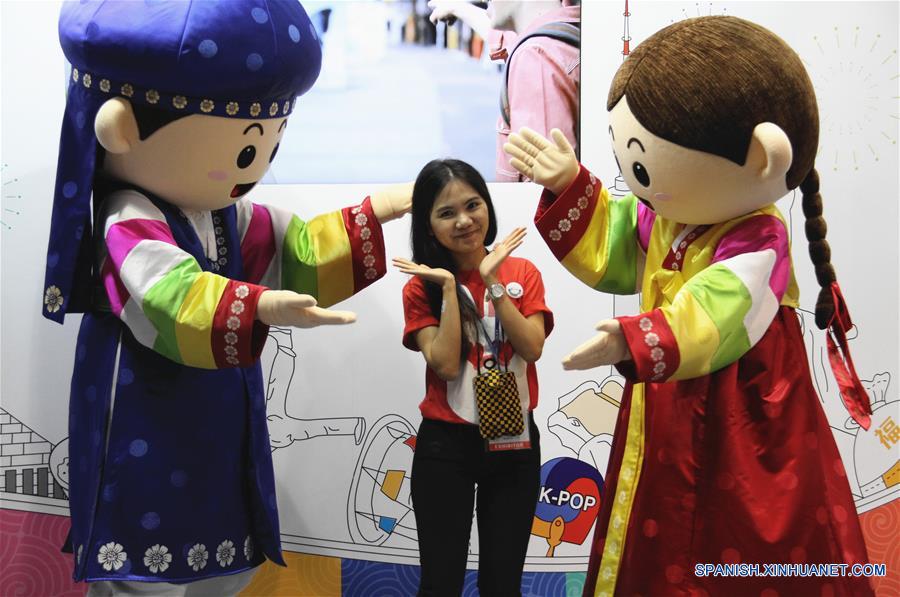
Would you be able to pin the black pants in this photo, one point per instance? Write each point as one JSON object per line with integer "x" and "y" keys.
{"x": 450, "y": 461}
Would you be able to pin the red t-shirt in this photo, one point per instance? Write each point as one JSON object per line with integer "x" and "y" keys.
{"x": 454, "y": 401}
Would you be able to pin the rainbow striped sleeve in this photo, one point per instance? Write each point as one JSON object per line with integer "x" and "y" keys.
{"x": 593, "y": 235}
{"x": 331, "y": 257}
{"x": 192, "y": 317}
{"x": 719, "y": 313}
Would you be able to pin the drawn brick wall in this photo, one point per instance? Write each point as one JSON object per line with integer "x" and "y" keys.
{"x": 24, "y": 460}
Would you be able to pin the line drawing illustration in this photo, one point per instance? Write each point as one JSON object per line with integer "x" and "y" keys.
{"x": 279, "y": 363}
{"x": 33, "y": 472}
{"x": 10, "y": 193}
{"x": 586, "y": 419}
{"x": 854, "y": 74}
{"x": 379, "y": 505}
{"x": 871, "y": 458}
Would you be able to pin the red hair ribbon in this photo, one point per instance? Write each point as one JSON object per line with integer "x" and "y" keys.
{"x": 852, "y": 392}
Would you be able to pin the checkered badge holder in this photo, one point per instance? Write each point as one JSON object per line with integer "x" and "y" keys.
{"x": 497, "y": 395}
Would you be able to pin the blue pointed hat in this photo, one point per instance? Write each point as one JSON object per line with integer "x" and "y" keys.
{"x": 229, "y": 58}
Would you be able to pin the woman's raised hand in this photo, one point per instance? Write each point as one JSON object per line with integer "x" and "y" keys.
{"x": 491, "y": 262}
{"x": 437, "y": 275}
{"x": 552, "y": 165}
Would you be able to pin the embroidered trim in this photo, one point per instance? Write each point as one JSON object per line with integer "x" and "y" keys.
{"x": 157, "y": 558}
{"x": 53, "y": 298}
{"x": 365, "y": 233}
{"x": 233, "y": 323}
{"x": 675, "y": 258}
{"x": 657, "y": 354}
{"x": 225, "y": 553}
{"x": 565, "y": 224}
{"x": 197, "y": 557}
{"x": 111, "y": 556}
{"x": 181, "y": 101}
{"x": 626, "y": 487}
{"x": 217, "y": 264}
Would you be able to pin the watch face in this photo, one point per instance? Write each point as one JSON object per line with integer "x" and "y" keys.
{"x": 497, "y": 290}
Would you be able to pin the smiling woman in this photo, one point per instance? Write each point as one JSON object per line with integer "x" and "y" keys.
{"x": 458, "y": 294}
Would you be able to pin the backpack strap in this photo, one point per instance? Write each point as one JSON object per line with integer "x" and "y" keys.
{"x": 568, "y": 33}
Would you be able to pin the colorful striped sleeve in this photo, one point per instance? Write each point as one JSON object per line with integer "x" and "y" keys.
{"x": 331, "y": 257}
{"x": 159, "y": 291}
{"x": 721, "y": 312}
{"x": 593, "y": 235}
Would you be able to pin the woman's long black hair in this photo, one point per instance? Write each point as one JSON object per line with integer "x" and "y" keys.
{"x": 426, "y": 250}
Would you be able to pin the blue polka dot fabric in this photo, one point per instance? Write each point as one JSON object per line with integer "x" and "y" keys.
{"x": 138, "y": 448}
{"x": 235, "y": 51}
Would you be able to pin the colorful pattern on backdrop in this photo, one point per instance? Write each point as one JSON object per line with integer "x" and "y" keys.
{"x": 33, "y": 565}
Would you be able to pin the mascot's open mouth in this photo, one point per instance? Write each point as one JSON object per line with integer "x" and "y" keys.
{"x": 241, "y": 189}
{"x": 644, "y": 201}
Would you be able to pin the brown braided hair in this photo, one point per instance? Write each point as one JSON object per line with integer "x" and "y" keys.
{"x": 705, "y": 83}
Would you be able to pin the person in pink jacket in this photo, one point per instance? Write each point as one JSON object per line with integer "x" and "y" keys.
{"x": 542, "y": 84}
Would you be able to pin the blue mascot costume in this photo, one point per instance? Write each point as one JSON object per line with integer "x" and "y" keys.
{"x": 174, "y": 111}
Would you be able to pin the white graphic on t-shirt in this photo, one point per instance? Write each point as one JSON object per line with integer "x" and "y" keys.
{"x": 460, "y": 394}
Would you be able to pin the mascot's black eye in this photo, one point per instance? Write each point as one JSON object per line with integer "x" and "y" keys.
{"x": 274, "y": 151}
{"x": 246, "y": 157}
{"x": 641, "y": 173}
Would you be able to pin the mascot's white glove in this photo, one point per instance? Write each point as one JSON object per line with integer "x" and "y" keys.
{"x": 606, "y": 348}
{"x": 392, "y": 201}
{"x": 288, "y": 308}
{"x": 551, "y": 165}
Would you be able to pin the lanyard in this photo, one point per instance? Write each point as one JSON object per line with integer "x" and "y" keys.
{"x": 495, "y": 342}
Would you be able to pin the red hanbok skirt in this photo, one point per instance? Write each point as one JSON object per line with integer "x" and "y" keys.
{"x": 739, "y": 466}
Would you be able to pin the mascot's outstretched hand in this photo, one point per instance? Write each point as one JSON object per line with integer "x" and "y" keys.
{"x": 392, "y": 201}
{"x": 551, "y": 165}
{"x": 288, "y": 308}
{"x": 606, "y": 348}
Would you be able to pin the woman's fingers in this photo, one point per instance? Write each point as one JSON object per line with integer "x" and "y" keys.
{"x": 516, "y": 234}
{"x": 515, "y": 238}
{"x": 406, "y": 263}
{"x": 519, "y": 233}
{"x": 408, "y": 267}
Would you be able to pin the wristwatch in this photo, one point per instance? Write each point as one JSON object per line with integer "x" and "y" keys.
{"x": 497, "y": 291}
